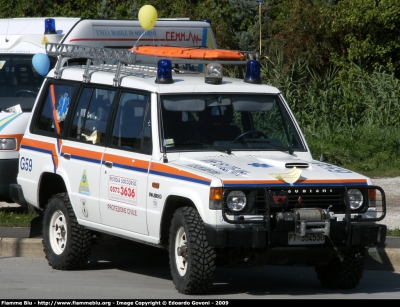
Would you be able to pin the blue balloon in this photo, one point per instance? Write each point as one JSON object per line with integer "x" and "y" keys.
{"x": 41, "y": 63}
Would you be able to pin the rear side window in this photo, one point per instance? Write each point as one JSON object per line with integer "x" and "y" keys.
{"x": 54, "y": 108}
{"x": 90, "y": 118}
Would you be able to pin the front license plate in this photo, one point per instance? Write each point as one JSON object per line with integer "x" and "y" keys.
{"x": 309, "y": 238}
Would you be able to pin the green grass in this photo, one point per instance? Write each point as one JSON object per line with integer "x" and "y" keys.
{"x": 394, "y": 232}
{"x": 16, "y": 218}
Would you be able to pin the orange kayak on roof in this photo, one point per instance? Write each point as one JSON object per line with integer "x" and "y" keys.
{"x": 189, "y": 52}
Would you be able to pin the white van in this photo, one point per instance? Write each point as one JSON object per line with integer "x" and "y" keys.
{"x": 22, "y": 38}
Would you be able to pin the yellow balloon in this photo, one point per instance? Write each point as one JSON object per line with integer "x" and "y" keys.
{"x": 147, "y": 17}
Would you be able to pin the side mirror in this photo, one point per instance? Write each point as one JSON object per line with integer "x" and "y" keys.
{"x": 41, "y": 63}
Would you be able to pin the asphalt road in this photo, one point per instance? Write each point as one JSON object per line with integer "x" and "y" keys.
{"x": 145, "y": 275}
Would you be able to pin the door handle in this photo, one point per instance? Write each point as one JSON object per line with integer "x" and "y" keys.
{"x": 67, "y": 156}
{"x": 108, "y": 164}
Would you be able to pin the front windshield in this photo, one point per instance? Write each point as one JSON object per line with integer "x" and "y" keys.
{"x": 193, "y": 122}
{"x": 19, "y": 81}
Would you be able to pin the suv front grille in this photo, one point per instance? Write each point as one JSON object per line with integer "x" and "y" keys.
{"x": 323, "y": 198}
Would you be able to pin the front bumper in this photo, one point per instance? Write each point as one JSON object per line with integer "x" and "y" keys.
{"x": 259, "y": 238}
{"x": 17, "y": 195}
{"x": 312, "y": 217}
{"x": 8, "y": 175}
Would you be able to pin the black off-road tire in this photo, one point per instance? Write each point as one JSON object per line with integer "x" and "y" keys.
{"x": 66, "y": 244}
{"x": 344, "y": 274}
{"x": 193, "y": 272}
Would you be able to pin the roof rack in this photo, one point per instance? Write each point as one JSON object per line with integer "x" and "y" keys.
{"x": 123, "y": 57}
{"x": 91, "y": 54}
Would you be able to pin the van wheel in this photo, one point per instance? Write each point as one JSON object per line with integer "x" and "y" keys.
{"x": 191, "y": 259}
{"x": 345, "y": 274}
{"x": 66, "y": 243}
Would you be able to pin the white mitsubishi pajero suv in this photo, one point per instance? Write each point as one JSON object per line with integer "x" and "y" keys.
{"x": 213, "y": 169}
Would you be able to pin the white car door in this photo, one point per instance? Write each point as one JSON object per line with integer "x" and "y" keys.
{"x": 125, "y": 166}
{"x": 82, "y": 151}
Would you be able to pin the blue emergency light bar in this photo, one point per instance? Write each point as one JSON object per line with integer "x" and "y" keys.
{"x": 253, "y": 72}
{"x": 50, "y": 26}
{"x": 164, "y": 72}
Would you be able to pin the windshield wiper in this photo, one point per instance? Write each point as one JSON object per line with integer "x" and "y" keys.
{"x": 218, "y": 148}
{"x": 283, "y": 148}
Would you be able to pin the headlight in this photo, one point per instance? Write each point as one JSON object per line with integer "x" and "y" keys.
{"x": 356, "y": 198}
{"x": 8, "y": 144}
{"x": 236, "y": 200}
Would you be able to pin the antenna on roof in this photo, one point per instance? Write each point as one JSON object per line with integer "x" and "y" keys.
{"x": 8, "y": 22}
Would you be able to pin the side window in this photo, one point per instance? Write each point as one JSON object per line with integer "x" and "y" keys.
{"x": 91, "y": 115}
{"x": 132, "y": 127}
{"x": 54, "y": 108}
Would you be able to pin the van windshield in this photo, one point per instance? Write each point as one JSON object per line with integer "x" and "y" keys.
{"x": 19, "y": 81}
{"x": 193, "y": 122}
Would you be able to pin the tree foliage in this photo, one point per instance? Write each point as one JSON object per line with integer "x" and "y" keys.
{"x": 365, "y": 32}
{"x": 295, "y": 28}
{"x": 316, "y": 32}
{"x": 342, "y": 33}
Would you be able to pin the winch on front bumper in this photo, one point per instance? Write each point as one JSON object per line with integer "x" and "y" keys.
{"x": 310, "y": 217}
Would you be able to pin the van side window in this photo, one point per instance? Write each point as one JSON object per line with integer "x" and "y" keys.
{"x": 132, "y": 127}
{"x": 54, "y": 108}
{"x": 91, "y": 115}
{"x": 18, "y": 78}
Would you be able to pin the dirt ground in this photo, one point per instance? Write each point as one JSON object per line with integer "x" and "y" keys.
{"x": 392, "y": 192}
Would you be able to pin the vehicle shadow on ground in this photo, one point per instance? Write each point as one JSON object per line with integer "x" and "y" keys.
{"x": 262, "y": 281}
